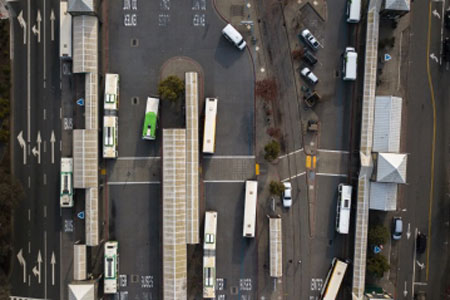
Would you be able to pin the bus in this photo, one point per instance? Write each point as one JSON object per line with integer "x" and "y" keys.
{"x": 349, "y": 64}
{"x": 110, "y": 136}
{"x": 353, "y": 11}
{"x": 65, "y": 31}
{"x": 209, "y": 255}
{"x": 343, "y": 208}
{"x": 66, "y": 191}
{"x": 251, "y": 189}
{"x": 151, "y": 116}
{"x": 111, "y": 267}
{"x": 111, "y": 101}
{"x": 334, "y": 280}
{"x": 209, "y": 131}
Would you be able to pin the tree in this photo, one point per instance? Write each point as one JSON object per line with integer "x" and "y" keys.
{"x": 272, "y": 150}
{"x": 276, "y": 188}
{"x": 171, "y": 88}
{"x": 378, "y": 235}
{"x": 377, "y": 264}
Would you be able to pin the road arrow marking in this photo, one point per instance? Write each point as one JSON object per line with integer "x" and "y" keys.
{"x": 52, "y": 22}
{"x": 53, "y": 262}
{"x": 23, "y": 264}
{"x": 436, "y": 14}
{"x": 433, "y": 57}
{"x": 23, "y": 24}
{"x": 38, "y": 21}
{"x": 37, "y": 271}
{"x": 37, "y": 152}
{"x": 23, "y": 146}
{"x": 405, "y": 291}
{"x": 408, "y": 233}
{"x": 52, "y": 142}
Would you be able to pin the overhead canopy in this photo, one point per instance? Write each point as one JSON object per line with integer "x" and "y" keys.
{"x": 388, "y": 120}
{"x": 83, "y": 290}
{"x": 399, "y": 5}
{"x": 276, "y": 252}
{"x": 85, "y": 44}
{"x": 391, "y": 167}
{"x": 383, "y": 196}
{"x": 81, "y": 6}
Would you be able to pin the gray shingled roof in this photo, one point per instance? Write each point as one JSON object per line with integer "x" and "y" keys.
{"x": 81, "y": 6}
{"x": 402, "y": 5}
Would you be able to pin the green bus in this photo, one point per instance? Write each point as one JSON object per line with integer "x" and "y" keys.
{"x": 151, "y": 117}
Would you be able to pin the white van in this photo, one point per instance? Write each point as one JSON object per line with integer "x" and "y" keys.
{"x": 353, "y": 11}
{"x": 349, "y": 64}
{"x": 231, "y": 34}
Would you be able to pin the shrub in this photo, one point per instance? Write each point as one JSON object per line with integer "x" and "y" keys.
{"x": 267, "y": 89}
{"x": 276, "y": 188}
{"x": 377, "y": 264}
{"x": 272, "y": 150}
{"x": 378, "y": 235}
{"x": 171, "y": 88}
{"x": 297, "y": 54}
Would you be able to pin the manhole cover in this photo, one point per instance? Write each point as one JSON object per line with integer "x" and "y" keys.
{"x": 135, "y": 100}
{"x": 237, "y": 10}
{"x": 134, "y": 43}
{"x": 134, "y": 278}
{"x": 234, "y": 290}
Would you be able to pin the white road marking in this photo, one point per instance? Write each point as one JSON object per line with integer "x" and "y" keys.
{"x": 293, "y": 177}
{"x": 29, "y": 74}
{"x": 333, "y": 151}
{"x": 45, "y": 211}
{"x": 29, "y": 247}
{"x": 230, "y": 157}
{"x": 29, "y": 214}
{"x": 138, "y": 157}
{"x": 224, "y": 181}
{"x": 331, "y": 174}
{"x": 133, "y": 182}
{"x": 45, "y": 179}
{"x": 291, "y": 153}
{"x": 29, "y": 182}
{"x": 23, "y": 146}
{"x": 23, "y": 263}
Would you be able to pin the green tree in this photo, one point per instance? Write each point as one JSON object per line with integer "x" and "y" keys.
{"x": 378, "y": 235}
{"x": 377, "y": 264}
{"x": 171, "y": 88}
{"x": 276, "y": 188}
{"x": 272, "y": 150}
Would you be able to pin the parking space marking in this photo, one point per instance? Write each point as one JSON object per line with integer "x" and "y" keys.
{"x": 333, "y": 151}
{"x": 331, "y": 174}
{"x": 291, "y": 153}
{"x": 293, "y": 177}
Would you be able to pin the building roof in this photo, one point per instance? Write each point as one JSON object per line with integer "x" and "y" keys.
{"x": 388, "y": 120}
{"x": 81, "y": 6}
{"x": 402, "y": 5}
{"x": 383, "y": 196}
{"x": 82, "y": 291}
{"x": 85, "y": 44}
{"x": 391, "y": 167}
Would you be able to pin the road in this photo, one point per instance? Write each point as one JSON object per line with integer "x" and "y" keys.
{"x": 36, "y": 112}
{"x": 309, "y": 247}
{"x": 143, "y": 42}
{"x": 428, "y": 212}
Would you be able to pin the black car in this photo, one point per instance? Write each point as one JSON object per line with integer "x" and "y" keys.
{"x": 446, "y": 49}
{"x": 447, "y": 19}
{"x": 421, "y": 243}
{"x": 309, "y": 58}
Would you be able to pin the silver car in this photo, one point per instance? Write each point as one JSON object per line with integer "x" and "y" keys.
{"x": 310, "y": 39}
{"x": 287, "y": 194}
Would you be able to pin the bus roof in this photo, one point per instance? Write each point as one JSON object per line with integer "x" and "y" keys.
{"x": 354, "y": 11}
{"x": 210, "y": 125}
{"x": 151, "y": 115}
{"x": 334, "y": 279}
{"x": 251, "y": 190}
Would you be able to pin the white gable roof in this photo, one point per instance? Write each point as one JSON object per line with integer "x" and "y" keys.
{"x": 391, "y": 167}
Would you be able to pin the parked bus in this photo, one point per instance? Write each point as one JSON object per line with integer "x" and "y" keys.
{"x": 344, "y": 201}
{"x": 151, "y": 116}
{"x": 349, "y": 64}
{"x": 65, "y": 31}
{"x": 251, "y": 190}
{"x": 353, "y": 11}
{"x": 334, "y": 280}
{"x": 111, "y": 101}
{"x": 209, "y": 130}
{"x": 110, "y": 136}
{"x": 111, "y": 267}
{"x": 66, "y": 190}
{"x": 209, "y": 255}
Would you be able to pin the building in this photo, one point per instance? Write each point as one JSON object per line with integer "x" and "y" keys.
{"x": 394, "y": 9}
{"x": 4, "y": 10}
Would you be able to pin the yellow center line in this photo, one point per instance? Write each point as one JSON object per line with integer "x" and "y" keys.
{"x": 433, "y": 143}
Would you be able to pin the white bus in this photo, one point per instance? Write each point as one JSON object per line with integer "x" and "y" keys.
{"x": 209, "y": 255}
{"x": 344, "y": 201}
{"x": 66, "y": 185}
{"x": 251, "y": 190}
{"x": 111, "y": 101}
{"x": 111, "y": 267}
{"x": 209, "y": 131}
{"x": 353, "y": 11}
{"x": 334, "y": 280}
{"x": 65, "y": 31}
{"x": 110, "y": 136}
{"x": 349, "y": 64}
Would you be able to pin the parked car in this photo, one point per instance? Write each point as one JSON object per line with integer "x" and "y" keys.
{"x": 309, "y": 58}
{"x": 446, "y": 49}
{"x": 287, "y": 194}
{"x": 421, "y": 243}
{"x": 397, "y": 228}
{"x": 232, "y": 35}
{"x": 447, "y": 19}
{"x": 309, "y": 75}
{"x": 310, "y": 39}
